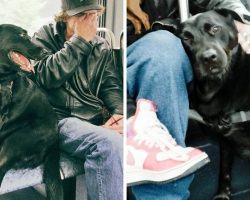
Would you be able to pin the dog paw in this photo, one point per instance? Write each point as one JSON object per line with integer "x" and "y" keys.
{"x": 145, "y": 21}
{"x": 219, "y": 124}
{"x": 222, "y": 197}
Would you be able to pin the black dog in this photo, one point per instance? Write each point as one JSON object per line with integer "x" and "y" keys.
{"x": 221, "y": 84}
{"x": 28, "y": 126}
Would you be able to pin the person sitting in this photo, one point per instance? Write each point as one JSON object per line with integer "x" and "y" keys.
{"x": 83, "y": 85}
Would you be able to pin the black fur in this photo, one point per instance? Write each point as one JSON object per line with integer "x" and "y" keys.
{"x": 221, "y": 84}
{"x": 28, "y": 126}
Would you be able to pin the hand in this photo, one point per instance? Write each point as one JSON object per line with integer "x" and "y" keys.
{"x": 115, "y": 123}
{"x": 243, "y": 35}
{"x": 86, "y": 26}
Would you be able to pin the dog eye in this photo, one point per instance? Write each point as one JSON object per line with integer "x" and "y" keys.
{"x": 207, "y": 27}
{"x": 186, "y": 35}
{"x": 215, "y": 29}
{"x": 23, "y": 34}
{"x": 212, "y": 29}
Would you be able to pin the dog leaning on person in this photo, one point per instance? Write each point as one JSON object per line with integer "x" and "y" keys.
{"x": 28, "y": 125}
{"x": 221, "y": 85}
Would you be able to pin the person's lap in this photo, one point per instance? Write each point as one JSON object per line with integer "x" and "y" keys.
{"x": 101, "y": 151}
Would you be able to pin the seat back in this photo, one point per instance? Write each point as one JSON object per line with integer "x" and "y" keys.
{"x": 117, "y": 53}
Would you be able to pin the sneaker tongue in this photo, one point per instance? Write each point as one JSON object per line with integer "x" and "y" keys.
{"x": 148, "y": 118}
{"x": 146, "y": 105}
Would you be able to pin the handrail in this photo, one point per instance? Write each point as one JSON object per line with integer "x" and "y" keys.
{"x": 110, "y": 35}
{"x": 183, "y": 10}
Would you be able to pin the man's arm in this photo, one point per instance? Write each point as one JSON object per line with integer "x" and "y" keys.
{"x": 111, "y": 91}
{"x": 58, "y": 65}
{"x": 61, "y": 63}
{"x": 235, "y": 6}
{"x": 115, "y": 123}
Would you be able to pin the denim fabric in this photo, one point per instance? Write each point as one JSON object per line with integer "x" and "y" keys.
{"x": 101, "y": 151}
{"x": 159, "y": 70}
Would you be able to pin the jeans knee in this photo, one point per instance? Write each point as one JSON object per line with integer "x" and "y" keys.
{"x": 161, "y": 38}
{"x": 161, "y": 41}
{"x": 161, "y": 47}
{"x": 157, "y": 49}
{"x": 111, "y": 146}
{"x": 66, "y": 123}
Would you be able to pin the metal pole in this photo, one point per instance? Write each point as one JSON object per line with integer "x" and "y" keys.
{"x": 183, "y": 9}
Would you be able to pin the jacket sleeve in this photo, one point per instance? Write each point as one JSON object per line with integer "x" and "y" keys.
{"x": 235, "y": 6}
{"x": 111, "y": 91}
{"x": 59, "y": 64}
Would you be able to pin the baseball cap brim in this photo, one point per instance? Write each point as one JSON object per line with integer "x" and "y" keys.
{"x": 83, "y": 9}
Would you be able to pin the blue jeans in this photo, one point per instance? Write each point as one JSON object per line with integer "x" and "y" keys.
{"x": 159, "y": 70}
{"x": 101, "y": 151}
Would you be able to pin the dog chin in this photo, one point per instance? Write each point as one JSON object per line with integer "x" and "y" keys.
{"x": 221, "y": 75}
{"x": 212, "y": 75}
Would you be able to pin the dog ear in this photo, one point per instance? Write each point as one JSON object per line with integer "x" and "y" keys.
{"x": 233, "y": 38}
{"x": 232, "y": 30}
{"x": 230, "y": 15}
{"x": 224, "y": 12}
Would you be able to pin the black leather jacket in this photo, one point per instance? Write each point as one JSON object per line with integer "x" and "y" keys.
{"x": 79, "y": 77}
{"x": 162, "y": 9}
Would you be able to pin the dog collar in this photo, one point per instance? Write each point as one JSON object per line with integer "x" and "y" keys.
{"x": 237, "y": 117}
{"x": 241, "y": 116}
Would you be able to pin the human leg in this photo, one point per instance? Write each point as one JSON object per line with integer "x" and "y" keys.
{"x": 101, "y": 151}
{"x": 158, "y": 70}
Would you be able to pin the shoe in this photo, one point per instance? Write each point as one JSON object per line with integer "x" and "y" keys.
{"x": 152, "y": 153}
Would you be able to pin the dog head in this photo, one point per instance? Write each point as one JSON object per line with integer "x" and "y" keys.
{"x": 16, "y": 50}
{"x": 209, "y": 39}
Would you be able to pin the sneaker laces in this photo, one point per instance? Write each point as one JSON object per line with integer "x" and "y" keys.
{"x": 155, "y": 134}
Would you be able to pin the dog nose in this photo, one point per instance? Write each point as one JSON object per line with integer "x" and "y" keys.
{"x": 209, "y": 56}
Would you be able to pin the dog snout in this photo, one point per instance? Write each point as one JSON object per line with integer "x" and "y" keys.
{"x": 43, "y": 52}
{"x": 37, "y": 54}
{"x": 209, "y": 57}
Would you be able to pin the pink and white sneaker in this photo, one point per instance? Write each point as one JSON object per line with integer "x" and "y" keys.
{"x": 152, "y": 153}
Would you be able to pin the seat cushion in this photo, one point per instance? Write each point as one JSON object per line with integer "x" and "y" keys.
{"x": 19, "y": 179}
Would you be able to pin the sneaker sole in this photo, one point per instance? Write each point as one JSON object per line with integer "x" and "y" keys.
{"x": 140, "y": 176}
